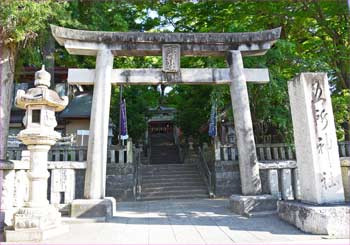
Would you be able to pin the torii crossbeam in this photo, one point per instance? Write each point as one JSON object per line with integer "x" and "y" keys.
{"x": 106, "y": 45}
{"x": 190, "y": 76}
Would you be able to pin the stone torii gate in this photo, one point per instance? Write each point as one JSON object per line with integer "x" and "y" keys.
{"x": 106, "y": 45}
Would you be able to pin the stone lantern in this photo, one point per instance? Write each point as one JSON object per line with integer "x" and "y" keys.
{"x": 38, "y": 220}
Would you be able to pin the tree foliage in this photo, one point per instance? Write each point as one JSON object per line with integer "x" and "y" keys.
{"x": 315, "y": 37}
{"x": 138, "y": 100}
{"x": 21, "y": 20}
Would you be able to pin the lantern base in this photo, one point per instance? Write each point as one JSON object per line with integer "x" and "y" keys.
{"x": 27, "y": 235}
{"x": 35, "y": 224}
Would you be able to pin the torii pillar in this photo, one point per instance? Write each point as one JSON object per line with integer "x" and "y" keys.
{"x": 248, "y": 162}
{"x": 95, "y": 180}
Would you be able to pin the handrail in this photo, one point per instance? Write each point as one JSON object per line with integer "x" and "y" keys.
{"x": 205, "y": 172}
{"x": 137, "y": 174}
{"x": 139, "y": 177}
{"x": 181, "y": 153}
{"x": 149, "y": 152}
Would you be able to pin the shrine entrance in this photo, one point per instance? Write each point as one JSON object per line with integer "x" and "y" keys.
{"x": 161, "y": 120}
{"x": 171, "y": 46}
{"x": 162, "y": 127}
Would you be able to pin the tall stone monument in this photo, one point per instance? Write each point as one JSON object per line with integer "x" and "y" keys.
{"x": 38, "y": 220}
{"x": 322, "y": 209}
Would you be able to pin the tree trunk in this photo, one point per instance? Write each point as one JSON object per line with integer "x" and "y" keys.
{"x": 7, "y": 68}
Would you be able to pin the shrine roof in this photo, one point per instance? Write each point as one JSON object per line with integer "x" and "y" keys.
{"x": 83, "y": 42}
{"x": 162, "y": 109}
{"x": 79, "y": 107}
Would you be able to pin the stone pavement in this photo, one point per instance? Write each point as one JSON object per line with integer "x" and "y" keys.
{"x": 195, "y": 221}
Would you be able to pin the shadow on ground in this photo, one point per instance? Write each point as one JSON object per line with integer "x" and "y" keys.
{"x": 202, "y": 212}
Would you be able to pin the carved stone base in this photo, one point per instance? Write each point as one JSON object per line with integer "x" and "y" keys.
{"x": 93, "y": 208}
{"x": 331, "y": 220}
{"x": 35, "y": 224}
{"x": 253, "y": 205}
{"x": 41, "y": 218}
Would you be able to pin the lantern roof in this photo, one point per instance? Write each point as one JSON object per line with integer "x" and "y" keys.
{"x": 41, "y": 94}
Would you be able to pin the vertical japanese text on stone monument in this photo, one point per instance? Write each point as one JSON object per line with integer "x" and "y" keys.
{"x": 171, "y": 57}
{"x": 323, "y": 141}
{"x": 320, "y": 117}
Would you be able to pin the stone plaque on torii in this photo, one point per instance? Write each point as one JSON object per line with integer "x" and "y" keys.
{"x": 171, "y": 46}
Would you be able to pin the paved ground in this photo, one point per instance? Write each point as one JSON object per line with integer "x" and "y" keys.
{"x": 200, "y": 221}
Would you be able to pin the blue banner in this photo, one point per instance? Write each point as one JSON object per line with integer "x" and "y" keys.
{"x": 212, "y": 122}
{"x": 123, "y": 121}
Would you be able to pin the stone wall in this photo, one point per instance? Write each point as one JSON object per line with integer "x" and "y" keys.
{"x": 264, "y": 181}
{"x": 120, "y": 181}
{"x": 227, "y": 178}
{"x": 79, "y": 183}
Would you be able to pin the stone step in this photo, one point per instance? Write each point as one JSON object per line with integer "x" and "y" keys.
{"x": 181, "y": 196}
{"x": 164, "y": 154}
{"x": 174, "y": 180}
{"x": 181, "y": 184}
{"x": 148, "y": 171}
{"x": 166, "y": 161}
{"x": 164, "y": 145}
{"x": 170, "y": 160}
{"x": 198, "y": 186}
{"x": 170, "y": 176}
{"x": 163, "y": 163}
{"x": 174, "y": 191}
{"x": 169, "y": 172}
{"x": 164, "y": 150}
{"x": 177, "y": 173}
{"x": 170, "y": 166}
{"x": 164, "y": 157}
{"x": 148, "y": 179}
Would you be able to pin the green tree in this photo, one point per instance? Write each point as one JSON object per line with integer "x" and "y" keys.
{"x": 97, "y": 15}
{"x": 315, "y": 37}
{"x": 138, "y": 100}
{"x": 193, "y": 108}
{"x": 20, "y": 22}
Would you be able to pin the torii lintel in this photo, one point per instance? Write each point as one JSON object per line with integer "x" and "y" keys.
{"x": 82, "y": 42}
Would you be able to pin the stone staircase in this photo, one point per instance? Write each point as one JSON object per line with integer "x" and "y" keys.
{"x": 163, "y": 149}
{"x": 167, "y": 177}
{"x": 172, "y": 181}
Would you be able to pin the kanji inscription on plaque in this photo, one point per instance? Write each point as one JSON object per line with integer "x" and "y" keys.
{"x": 171, "y": 57}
